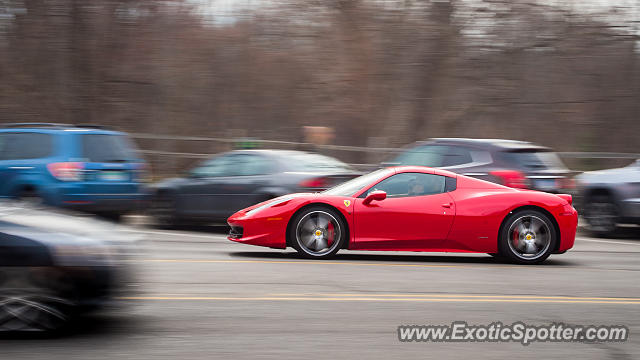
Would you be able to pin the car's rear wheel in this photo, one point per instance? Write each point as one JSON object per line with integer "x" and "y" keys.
{"x": 317, "y": 232}
{"x": 527, "y": 237}
{"x": 30, "y": 198}
{"x": 601, "y": 215}
{"x": 162, "y": 210}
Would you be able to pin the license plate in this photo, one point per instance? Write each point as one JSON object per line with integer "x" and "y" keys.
{"x": 546, "y": 184}
{"x": 113, "y": 176}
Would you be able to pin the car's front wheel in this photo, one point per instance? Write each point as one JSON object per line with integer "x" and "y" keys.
{"x": 527, "y": 237}
{"x": 317, "y": 232}
{"x": 162, "y": 210}
{"x": 25, "y": 306}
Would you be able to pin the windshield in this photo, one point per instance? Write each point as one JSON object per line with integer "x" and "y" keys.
{"x": 535, "y": 159}
{"x": 107, "y": 148}
{"x": 351, "y": 187}
{"x": 313, "y": 162}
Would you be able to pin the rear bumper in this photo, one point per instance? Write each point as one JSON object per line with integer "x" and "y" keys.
{"x": 120, "y": 198}
{"x": 568, "y": 224}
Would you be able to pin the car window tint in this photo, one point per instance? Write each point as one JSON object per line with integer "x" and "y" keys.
{"x": 411, "y": 184}
{"x": 534, "y": 159}
{"x": 106, "y": 148}
{"x": 219, "y": 166}
{"x": 302, "y": 161}
{"x": 248, "y": 164}
{"x": 426, "y": 155}
{"x": 25, "y": 145}
{"x": 352, "y": 186}
{"x": 455, "y": 155}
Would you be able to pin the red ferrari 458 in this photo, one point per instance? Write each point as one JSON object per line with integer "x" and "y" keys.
{"x": 413, "y": 209}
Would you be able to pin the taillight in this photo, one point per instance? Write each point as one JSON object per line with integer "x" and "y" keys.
{"x": 314, "y": 183}
{"x": 510, "y": 178}
{"x": 66, "y": 171}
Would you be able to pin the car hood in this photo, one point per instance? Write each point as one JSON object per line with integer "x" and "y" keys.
{"x": 54, "y": 227}
{"x": 279, "y": 200}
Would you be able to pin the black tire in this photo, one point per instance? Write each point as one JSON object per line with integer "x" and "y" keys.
{"x": 30, "y": 197}
{"x": 601, "y": 215}
{"x": 111, "y": 216}
{"x": 334, "y": 233}
{"x": 536, "y": 237}
{"x": 163, "y": 211}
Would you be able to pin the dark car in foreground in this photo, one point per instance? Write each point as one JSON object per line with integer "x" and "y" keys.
{"x": 54, "y": 267}
{"x": 517, "y": 164}
{"x": 607, "y": 198}
{"x": 82, "y": 167}
{"x": 226, "y": 183}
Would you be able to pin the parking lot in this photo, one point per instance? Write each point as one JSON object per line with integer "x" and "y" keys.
{"x": 202, "y": 296}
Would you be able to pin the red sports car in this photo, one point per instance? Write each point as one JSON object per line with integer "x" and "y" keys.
{"x": 413, "y": 208}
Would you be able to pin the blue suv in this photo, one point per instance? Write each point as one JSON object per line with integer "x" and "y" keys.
{"x": 86, "y": 168}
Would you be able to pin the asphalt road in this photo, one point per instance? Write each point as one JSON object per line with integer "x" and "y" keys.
{"x": 204, "y": 297}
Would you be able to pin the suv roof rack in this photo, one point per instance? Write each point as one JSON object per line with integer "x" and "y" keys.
{"x": 34, "y": 124}
{"x": 53, "y": 125}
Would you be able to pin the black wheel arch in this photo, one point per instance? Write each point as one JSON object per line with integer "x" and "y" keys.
{"x": 539, "y": 209}
{"x": 325, "y": 205}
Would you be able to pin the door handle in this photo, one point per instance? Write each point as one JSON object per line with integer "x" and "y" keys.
{"x": 447, "y": 205}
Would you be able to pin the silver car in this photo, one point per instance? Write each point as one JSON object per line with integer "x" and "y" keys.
{"x": 610, "y": 197}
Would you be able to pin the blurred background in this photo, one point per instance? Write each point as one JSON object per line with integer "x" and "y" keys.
{"x": 142, "y": 107}
{"x": 378, "y": 73}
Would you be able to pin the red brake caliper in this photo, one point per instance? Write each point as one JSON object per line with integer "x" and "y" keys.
{"x": 330, "y": 236}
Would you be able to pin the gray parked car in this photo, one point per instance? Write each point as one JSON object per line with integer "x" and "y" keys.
{"x": 226, "y": 183}
{"x": 516, "y": 164}
{"x": 610, "y": 197}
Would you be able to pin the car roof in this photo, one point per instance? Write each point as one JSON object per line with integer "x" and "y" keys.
{"x": 497, "y": 144}
{"x": 423, "y": 169}
{"x": 55, "y": 128}
{"x": 272, "y": 152}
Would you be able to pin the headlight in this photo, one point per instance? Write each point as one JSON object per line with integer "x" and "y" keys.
{"x": 270, "y": 204}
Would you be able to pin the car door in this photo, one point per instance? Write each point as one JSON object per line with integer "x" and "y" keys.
{"x": 240, "y": 187}
{"x": 202, "y": 195}
{"x": 416, "y": 215}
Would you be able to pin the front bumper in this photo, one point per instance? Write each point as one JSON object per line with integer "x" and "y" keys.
{"x": 267, "y": 231}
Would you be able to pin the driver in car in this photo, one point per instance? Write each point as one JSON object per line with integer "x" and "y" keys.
{"x": 416, "y": 188}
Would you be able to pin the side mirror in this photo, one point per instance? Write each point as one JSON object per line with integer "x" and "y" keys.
{"x": 377, "y": 195}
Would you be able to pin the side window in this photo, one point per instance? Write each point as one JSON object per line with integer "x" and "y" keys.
{"x": 28, "y": 145}
{"x": 248, "y": 164}
{"x": 411, "y": 184}
{"x": 213, "y": 168}
{"x": 426, "y": 155}
{"x": 456, "y": 156}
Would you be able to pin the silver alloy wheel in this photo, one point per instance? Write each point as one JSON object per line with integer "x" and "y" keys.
{"x": 32, "y": 312}
{"x": 318, "y": 233}
{"x": 529, "y": 237}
